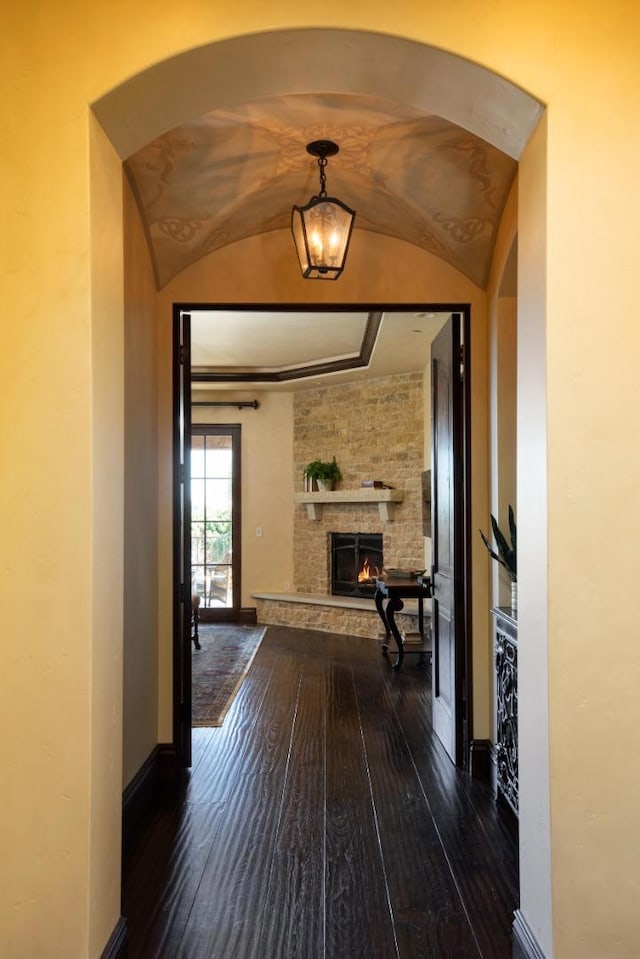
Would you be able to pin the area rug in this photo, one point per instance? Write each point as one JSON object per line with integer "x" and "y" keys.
{"x": 218, "y": 669}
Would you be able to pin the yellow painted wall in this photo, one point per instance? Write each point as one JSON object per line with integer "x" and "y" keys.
{"x": 593, "y": 477}
{"x": 535, "y": 582}
{"x": 381, "y": 269}
{"x": 578, "y": 255}
{"x": 141, "y": 499}
{"x": 503, "y": 341}
{"x": 107, "y": 545}
{"x": 267, "y": 487}
{"x": 507, "y": 402}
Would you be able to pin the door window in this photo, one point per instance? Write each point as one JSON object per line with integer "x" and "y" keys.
{"x": 212, "y": 518}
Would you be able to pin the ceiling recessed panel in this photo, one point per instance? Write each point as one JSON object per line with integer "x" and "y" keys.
{"x": 245, "y": 349}
{"x": 259, "y": 341}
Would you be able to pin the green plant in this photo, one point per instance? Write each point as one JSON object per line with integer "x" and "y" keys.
{"x": 506, "y": 552}
{"x": 328, "y": 472}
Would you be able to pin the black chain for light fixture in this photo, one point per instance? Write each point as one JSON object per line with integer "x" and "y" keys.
{"x": 322, "y": 163}
{"x": 323, "y": 149}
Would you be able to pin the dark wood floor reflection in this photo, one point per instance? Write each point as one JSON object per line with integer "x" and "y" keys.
{"x": 323, "y": 821}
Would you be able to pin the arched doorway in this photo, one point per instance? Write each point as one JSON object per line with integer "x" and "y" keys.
{"x": 287, "y": 61}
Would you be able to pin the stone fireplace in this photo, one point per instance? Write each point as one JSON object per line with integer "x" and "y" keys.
{"x": 377, "y": 434}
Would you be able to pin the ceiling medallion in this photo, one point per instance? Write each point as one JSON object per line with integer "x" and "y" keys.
{"x": 322, "y": 229}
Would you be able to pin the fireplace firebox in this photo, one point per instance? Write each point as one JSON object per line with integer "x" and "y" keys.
{"x": 356, "y": 561}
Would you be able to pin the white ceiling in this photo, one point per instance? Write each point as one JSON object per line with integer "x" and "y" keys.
{"x": 232, "y": 341}
{"x": 273, "y": 340}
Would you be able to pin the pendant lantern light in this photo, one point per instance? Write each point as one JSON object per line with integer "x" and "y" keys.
{"x": 322, "y": 229}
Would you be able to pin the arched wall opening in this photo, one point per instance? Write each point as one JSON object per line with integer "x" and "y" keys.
{"x": 281, "y": 62}
{"x": 290, "y": 61}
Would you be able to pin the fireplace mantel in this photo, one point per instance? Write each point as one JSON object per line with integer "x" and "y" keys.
{"x": 385, "y": 498}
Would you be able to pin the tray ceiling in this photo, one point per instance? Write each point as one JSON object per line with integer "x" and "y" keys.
{"x": 291, "y": 350}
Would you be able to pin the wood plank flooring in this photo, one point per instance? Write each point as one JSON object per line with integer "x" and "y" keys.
{"x": 323, "y": 820}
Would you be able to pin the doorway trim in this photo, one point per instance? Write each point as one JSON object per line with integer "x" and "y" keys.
{"x": 464, "y": 719}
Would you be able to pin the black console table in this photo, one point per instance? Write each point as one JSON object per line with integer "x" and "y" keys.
{"x": 394, "y": 591}
{"x": 506, "y": 653}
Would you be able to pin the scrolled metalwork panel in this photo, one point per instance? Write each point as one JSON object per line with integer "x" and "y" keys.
{"x": 507, "y": 718}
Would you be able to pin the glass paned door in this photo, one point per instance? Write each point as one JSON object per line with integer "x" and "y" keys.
{"x": 213, "y": 466}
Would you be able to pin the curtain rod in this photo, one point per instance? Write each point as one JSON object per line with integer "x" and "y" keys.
{"x": 239, "y": 404}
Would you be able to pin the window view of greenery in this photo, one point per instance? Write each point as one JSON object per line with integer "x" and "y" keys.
{"x": 211, "y": 530}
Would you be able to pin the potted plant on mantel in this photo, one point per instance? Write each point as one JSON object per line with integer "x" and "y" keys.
{"x": 506, "y": 552}
{"x": 325, "y": 473}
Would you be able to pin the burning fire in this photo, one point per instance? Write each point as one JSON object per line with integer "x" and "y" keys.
{"x": 367, "y": 572}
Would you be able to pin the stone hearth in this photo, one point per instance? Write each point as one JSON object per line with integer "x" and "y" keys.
{"x": 349, "y": 615}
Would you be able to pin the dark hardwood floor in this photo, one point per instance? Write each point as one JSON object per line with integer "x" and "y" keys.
{"x": 323, "y": 821}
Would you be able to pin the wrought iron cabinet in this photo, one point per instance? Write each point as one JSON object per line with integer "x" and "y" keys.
{"x": 506, "y": 656}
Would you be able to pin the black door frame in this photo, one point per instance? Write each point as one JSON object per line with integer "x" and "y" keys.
{"x": 469, "y": 745}
{"x": 449, "y": 367}
{"x": 182, "y": 675}
{"x": 181, "y": 361}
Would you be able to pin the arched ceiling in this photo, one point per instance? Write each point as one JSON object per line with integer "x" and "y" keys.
{"x": 429, "y": 144}
{"x": 236, "y": 172}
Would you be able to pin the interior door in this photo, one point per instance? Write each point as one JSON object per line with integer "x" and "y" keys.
{"x": 182, "y": 536}
{"x": 448, "y": 559}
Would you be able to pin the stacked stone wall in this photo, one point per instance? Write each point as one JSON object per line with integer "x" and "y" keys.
{"x": 376, "y": 431}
